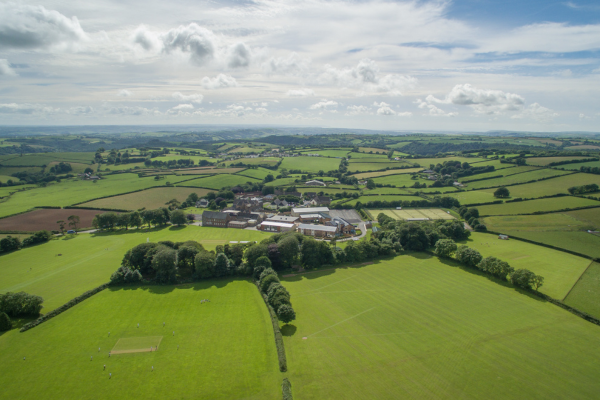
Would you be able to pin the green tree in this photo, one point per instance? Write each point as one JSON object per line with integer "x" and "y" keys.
{"x": 5, "y": 324}
{"x": 254, "y": 252}
{"x": 123, "y": 220}
{"x": 263, "y": 262}
{"x": 186, "y": 256}
{"x": 204, "y": 263}
{"x": 496, "y": 267}
{"x": 538, "y": 281}
{"x": 267, "y": 281}
{"x": 135, "y": 219}
{"x": 309, "y": 254}
{"x": 413, "y": 237}
{"x": 73, "y": 221}
{"x": 178, "y": 218}
{"x": 164, "y": 264}
{"x": 288, "y": 250}
{"x": 10, "y": 243}
{"x": 61, "y": 226}
{"x": 502, "y": 192}
{"x": 469, "y": 257}
{"x": 445, "y": 248}
{"x": 286, "y": 314}
{"x": 370, "y": 184}
{"x": 222, "y": 265}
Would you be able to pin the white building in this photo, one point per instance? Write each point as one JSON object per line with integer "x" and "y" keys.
{"x": 296, "y": 212}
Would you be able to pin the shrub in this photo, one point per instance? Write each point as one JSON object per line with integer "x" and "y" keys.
{"x": 18, "y": 304}
{"x": 5, "y": 324}
{"x": 10, "y": 243}
{"x": 286, "y": 389}
{"x": 125, "y": 275}
{"x": 38, "y": 237}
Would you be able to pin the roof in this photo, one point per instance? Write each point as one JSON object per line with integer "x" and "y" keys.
{"x": 238, "y": 222}
{"x": 311, "y": 216}
{"x": 315, "y": 182}
{"x": 282, "y": 218}
{"x": 273, "y": 223}
{"x": 318, "y": 227}
{"x": 214, "y": 214}
{"x": 310, "y": 210}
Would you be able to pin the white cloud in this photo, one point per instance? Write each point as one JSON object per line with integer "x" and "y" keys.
{"x": 147, "y": 39}
{"x": 25, "y": 26}
{"x": 27, "y": 108}
{"x": 290, "y": 65}
{"x": 194, "y": 98}
{"x": 5, "y": 68}
{"x": 124, "y": 93}
{"x": 324, "y": 105}
{"x": 261, "y": 110}
{"x": 304, "y": 92}
{"x": 433, "y": 110}
{"x": 358, "y": 110}
{"x": 135, "y": 111}
{"x": 183, "y": 107}
{"x": 537, "y": 112}
{"x": 80, "y": 110}
{"x": 483, "y": 101}
{"x": 193, "y": 39}
{"x": 221, "y": 81}
{"x": 239, "y": 55}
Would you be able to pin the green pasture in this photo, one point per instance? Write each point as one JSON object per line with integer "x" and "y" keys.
{"x": 503, "y": 172}
{"x": 257, "y": 173}
{"x": 541, "y": 205}
{"x": 9, "y": 171}
{"x": 41, "y": 159}
{"x": 578, "y": 241}
{"x": 415, "y": 327}
{"x": 386, "y": 190}
{"x": 576, "y": 167}
{"x": 426, "y": 162}
{"x": 310, "y": 164}
{"x": 376, "y": 174}
{"x": 398, "y": 145}
{"x": 496, "y": 163}
{"x": 590, "y": 216}
{"x": 5, "y": 178}
{"x": 536, "y": 223}
{"x": 217, "y": 182}
{"x": 7, "y": 190}
{"x": 400, "y": 180}
{"x": 220, "y": 350}
{"x": 373, "y": 166}
{"x": 585, "y": 295}
{"x": 255, "y": 161}
{"x": 69, "y": 192}
{"x": 331, "y": 153}
{"x": 123, "y": 167}
{"x": 281, "y": 182}
{"x": 560, "y": 270}
{"x": 543, "y": 161}
{"x": 384, "y": 197}
{"x": 150, "y": 198}
{"x": 517, "y": 178}
{"x": 88, "y": 260}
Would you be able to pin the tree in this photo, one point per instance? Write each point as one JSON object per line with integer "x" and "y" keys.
{"x": 5, "y": 324}
{"x": 502, "y": 192}
{"x": 163, "y": 263}
{"x": 148, "y": 217}
{"x": 186, "y": 256}
{"x": 445, "y": 248}
{"x": 288, "y": 250}
{"x": 538, "y": 281}
{"x": 222, "y": 265}
{"x": 269, "y": 178}
{"x": 264, "y": 262}
{"x": 496, "y": 267}
{"x": 274, "y": 256}
{"x": 178, "y": 217}
{"x": 135, "y": 219}
{"x": 21, "y": 303}
{"x": 123, "y": 220}
{"x": 61, "y": 226}
{"x": 88, "y": 170}
{"x": 204, "y": 263}
{"x": 309, "y": 254}
{"x": 254, "y": 252}
{"x": 267, "y": 281}
{"x": 222, "y": 204}
{"x": 73, "y": 221}
{"x": 10, "y": 243}
{"x": 236, "y": 253}
{"x": 370, "y": 184}
{"x": 468, "y": 256}
{"x": 413, "y": 237}
{"x": 286, "y": 314}
{"x": 524, "y": 278}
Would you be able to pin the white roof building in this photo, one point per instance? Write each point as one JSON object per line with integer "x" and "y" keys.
{"x": 309, "y": 210}
{"x": 282, "y": 218}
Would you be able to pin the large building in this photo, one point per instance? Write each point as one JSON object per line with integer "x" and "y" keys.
{"x": 283, "y": 218}
{"x": 215, "y": 218}
{"x": 296, "y": 212}
{"x": 272, "y": 226}
{"x": 318, "y": 230}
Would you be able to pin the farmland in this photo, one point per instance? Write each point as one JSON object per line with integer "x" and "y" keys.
{"x": 384, "y": 197}
{"x": 585, "y": 295}
{"x": 431, "y": 213}
{"x": 543, "y": 161}
{"x": 150, "y": 198}
{"x": 223, "y": 349}
{"x": 517, "y": 178}
{"x": 540, "y": 205}
{"x": 373, "y": 166}
{"x": 388, "y": 172}
{"x": 310, "y": 164}
{"x": 46, "y": 219}
{"x": 216, "y": 182}
{"x": 420, "y": 328}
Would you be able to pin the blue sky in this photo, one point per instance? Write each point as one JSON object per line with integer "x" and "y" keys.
{"x": 462, "y": 65}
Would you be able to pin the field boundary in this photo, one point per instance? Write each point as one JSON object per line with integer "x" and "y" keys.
{"x": 276, "y": 332}
{"x": 542, "y": 212}
{"x": 577, "y": 281}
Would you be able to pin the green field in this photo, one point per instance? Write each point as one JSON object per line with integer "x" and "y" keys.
{"x": 543, "y": 161}
{"x": 217, "y": 182}
{"x": 255, "y": 161}
{"x": 384, "y": 197}
{"x": 576, "y": 166}
{"x": 517, "y": 178}
{"x": 385, "y": 173}
{"x": 542, "y": 205}
{"x": 41, "y": 159}
{"x": 415, "y": 327}
{"x": 257, "y": 173}
{"x": 222, "y": 350}
{"x": 401, "y": 180}
{"x": 150, "y": 199}
{"x": 503, "y": 172}
{"x": 310, "y": 164}
{"x": 88, "y": 260}
{"x": 331, "y": 153}
{"x": 373, "y": 166}
{"x": 585, "y": 295}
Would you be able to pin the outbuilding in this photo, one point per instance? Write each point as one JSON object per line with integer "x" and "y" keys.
{"x": 271, "y": 226}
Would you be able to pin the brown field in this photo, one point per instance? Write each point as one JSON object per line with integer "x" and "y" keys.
{"x": 149, "y": 199}
{"x": 45, "y": 218}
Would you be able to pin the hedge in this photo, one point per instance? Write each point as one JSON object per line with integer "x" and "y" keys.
{"x": 286, "y": 388}
{"x": 95, "y": 208}
{"x": 277, "y": 332}
{"x": 64, "y": 307}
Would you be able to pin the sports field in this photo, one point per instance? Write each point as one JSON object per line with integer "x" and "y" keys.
{"x": 416, "y": 327}
{"x": 88, "y": 260}
{"x": 219, "y": 350}
{"x": 150, "y": 199}
{"x": 431, "y": 213}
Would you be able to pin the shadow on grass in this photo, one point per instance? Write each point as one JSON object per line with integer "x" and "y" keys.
{"x": 288, "y": 330}
{"x": 168, "y": 288}
{"x": 115, "y": 232}
{"x": 18, "y": 322}
{"x": 331, "y": 269}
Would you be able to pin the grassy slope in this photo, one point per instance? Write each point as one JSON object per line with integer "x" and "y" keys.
{"x": 88, "y": 260}
{"x": 310, "y": 164}
{"x": 151, "y": 198}
{"x": 585, "y": 295}
{"x": 531, "y": 206}
{"x": 415, "y": 327}
{"x": 217, "y": 182}
{"x": 226, "y": 347}
{"x": 517, "y": 178}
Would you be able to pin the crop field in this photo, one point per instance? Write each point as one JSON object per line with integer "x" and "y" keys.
{"x": 531, "y": 206}
{"x": 70, "y": 192}
{"x": 257, "y": 173}
{"x": 517, "y": 178}
{"x": 583, "y": 147}
{"x": 88, "y": 260}
{"x": 560, "y": 270}
{"x": 310, "y": 164}
{"x": 45, "y": 218}
{"x": 585, "y": 295}
{"x": 223, "y": 349}
{"x": 406, "y": 213}
{"x": 372, "y": 149}
{"x": 537, "y": 223}
{"x": 217, "y": 182}
{"x": 543, "y": 161}
{"x": 149, "y": 199}
{"x": 377, "y": 174}
{"x": 244, "y": 149}
{"x": 415, "y": 327}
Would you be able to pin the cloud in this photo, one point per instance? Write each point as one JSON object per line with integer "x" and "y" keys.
{"x": 183, "y": 107}
{"x": 291, "y": 65}
{"x": 148, "y": 40}
{"x": 324, "y": 105}
{"x": 386, "y": 109}
{"x": 492, "y": 102}
{"x": 366, "y": 76}
{"x": 193, "y": 98}
{"x": 136, "y": 111}
{"x": 26, "y": 108}
{"x": 358, "y": 110}
{"x": 124, "y": 93}
{"x": 221, "y": 81}
{"x": 5, "y": 68}
{"x": 192, "y": 39}
{"x": 239, "y": 55}
{"x": 433, "y": 110}
{"x": 537, "y": 112}
{"x": 25, "y": 26}
{"x": 81, "y": 110}
{"x": 304, "y": 92}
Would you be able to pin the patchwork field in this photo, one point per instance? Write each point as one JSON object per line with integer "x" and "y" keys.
{"x": 400, "y": 180}
{"x": 431, "y": 213}
{"x": 204, "y": 171}
{"x": 217, "y": 182}
{"x": 150, "y": 199}
{"x": 367, "y": 175}
{"x": 223, "y": 349}
{"x": 415, "y": 327}
{"x": 517, "y": 178}
{"x": 373, "y": 166}
{"x": 539, "y": 205}
{"x": 257, "y": 173}
{"x": 310, "y": 164}
{"x": 543, "y": 161}
{"x": 46, "y": 218}
{"x": 88, "y": 260}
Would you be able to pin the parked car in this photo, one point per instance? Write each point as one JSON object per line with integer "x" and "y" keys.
{"x": 71, "y": 231}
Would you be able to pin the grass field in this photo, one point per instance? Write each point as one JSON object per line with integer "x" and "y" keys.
{"x": 415, "y": 327}
{"x": 257, "y": 173}
{"x": 585, "y": 295}
{"x": 543, "y": 161}
{"x": 88, "y": 260}
{"x": 496, "y": 163}
{"x": 431, "y": 213}
{"x": 255, "y": 161}
{"x": 46, "y": 158}
{"x": 591, "y": 216}
{"x": 367, "y": 175}
{"x": 517, "y": 178}
{"x": 223, "y": 349}
{"x": 310, "y": 164}
{"x": 575, "y": 167}
{"x": 384, "y": 197}
{"x": 373, "y": 166}
{"x": 331, "y": 153}
{"x": 150, "y": 199}
{"x": 217, "y": 182}
{"x": 531, "y": 206}
{"x": 495, "y": 173}
{"x": 560, "y": 270}
{"x": 204, "y": 171}
{"x": 400, "y": 180}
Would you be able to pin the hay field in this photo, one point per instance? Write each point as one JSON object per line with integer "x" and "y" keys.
{"x": 543, "y": 161}
{"x": 517, "y": 178}
{"x": 45, "y": 218}
{"x": 377, "y": 174}
{"x": 257, "y": 173}
{"x": 585, "y": 295}
{"x": 310, "y": 164}
{"x": 415, "y": 327}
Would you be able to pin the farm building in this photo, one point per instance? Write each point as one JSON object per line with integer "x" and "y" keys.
{"x": 215, "y": 218}
{"x": 272, "y": 226}
{"x": 503, "y": 237}
{"x": 318, "y": 230}
{"x": 202, "y": 203}
{"x": 309, "y": 210}
{"x": 315, "y": 183}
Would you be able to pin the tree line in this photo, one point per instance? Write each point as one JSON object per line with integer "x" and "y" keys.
{"x": 11, "y": 243}
{"x": 18, "y": 305}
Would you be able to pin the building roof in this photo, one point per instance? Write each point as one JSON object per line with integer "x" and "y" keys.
{"x": 214, "y": 214}
{"x": 310, "y": 210}
{"x": 238, "y": 223}
{"x": 282, "y": 218}
{"x": 274, "y": 223}
{"x": 315, "y": 182}
{"x": 311, "y": 216}
{"x": 318, "y": 227}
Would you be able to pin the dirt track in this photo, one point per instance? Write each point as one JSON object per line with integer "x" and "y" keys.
{"x": 46, "y": 219}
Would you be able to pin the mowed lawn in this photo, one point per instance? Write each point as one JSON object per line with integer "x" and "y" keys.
{"x": 585, "y": 295}
{"x": 88, "y": 260}
{"x": 221, "y": 350}
{"x": 414, "y": 327}
{"x": 559, "y": 269}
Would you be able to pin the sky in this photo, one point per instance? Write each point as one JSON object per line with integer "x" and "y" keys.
{"x": 442, "y": 65}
